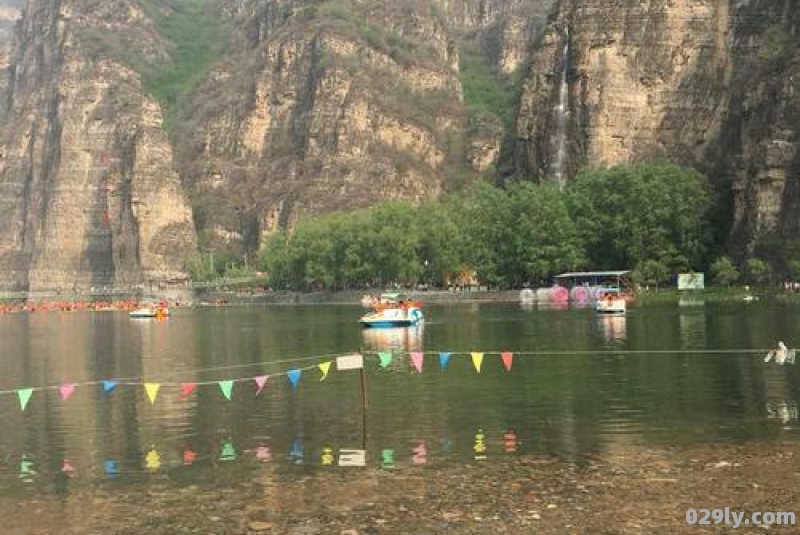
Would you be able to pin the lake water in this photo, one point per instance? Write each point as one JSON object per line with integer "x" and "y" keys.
{"x": 578, "y": 384}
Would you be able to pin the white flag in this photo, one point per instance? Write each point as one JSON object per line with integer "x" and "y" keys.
{"x": 350, "y": 362}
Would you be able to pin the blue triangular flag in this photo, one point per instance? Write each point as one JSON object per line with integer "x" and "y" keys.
{"x": 444, "y": 359}
{"x": 294, "y": 376}
{"x": 109, "y": 386}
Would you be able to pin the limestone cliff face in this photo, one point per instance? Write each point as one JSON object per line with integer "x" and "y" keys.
{"x": 709, "y": 83}
{"x": 89, "y": 194}
{"x": 643, "y": 80}
{"x": 322, "y": 108}
{"x": 338, "y": 105}
{"x": 760, "y": 148}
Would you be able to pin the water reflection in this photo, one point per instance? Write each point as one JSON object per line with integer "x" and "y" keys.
{"x": 784, "y": 411}
{"x": 613, "y": 327}
{"x": 396, "y": 339}
{"x": 565, "y": 404}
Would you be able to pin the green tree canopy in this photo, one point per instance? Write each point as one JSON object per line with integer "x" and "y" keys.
{"x": 632, "y": 213}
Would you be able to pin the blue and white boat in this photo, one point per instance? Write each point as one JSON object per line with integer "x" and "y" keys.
{"x": 393, "y": 310}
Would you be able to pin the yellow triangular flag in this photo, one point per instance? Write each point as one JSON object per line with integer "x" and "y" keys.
{"x": 324, "y": 368}
{"x": 152, "y": 390}
{"x": 477, "y": 360}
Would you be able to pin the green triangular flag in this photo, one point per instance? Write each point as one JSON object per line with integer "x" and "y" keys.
{"x": 24, "y": 395}
{"x": 386, "y": 359}
{"x": 226, "y": 387}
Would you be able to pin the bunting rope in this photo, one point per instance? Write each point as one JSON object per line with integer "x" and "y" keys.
{"x": 348, "y": 361}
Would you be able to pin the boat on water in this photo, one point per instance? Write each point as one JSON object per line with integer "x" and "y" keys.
{"x": 150, "y": 311}
{"x": 393, "y": 310}
{"x": 610, "y": 301}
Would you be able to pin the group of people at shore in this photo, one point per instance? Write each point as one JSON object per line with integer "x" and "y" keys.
{"x": 70, "y": 306}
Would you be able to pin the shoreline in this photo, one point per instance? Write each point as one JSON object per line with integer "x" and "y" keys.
{"x": 627, "y": 489}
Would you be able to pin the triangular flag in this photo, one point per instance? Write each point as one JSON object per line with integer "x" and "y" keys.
{"x": 416, "y": 360}
{"x": 189, "y": 456}
{"x": 67, "y": 390}
{"x": 385, "y": 359}
{"x": 227, "y": 388}
{"x": 477, "y": 360}
{"x": 24, "y": 395}
{"x": 152, "y": 390}
{"x": 324, "y": 367}
{"x": 444, "y": 359}
{"x": 109, "y": 386}
{"x": 261, "y": 381}
{"x": 294, "y": 376}
{"x": 508, "y": 359}
{"x": 187, "y": 389}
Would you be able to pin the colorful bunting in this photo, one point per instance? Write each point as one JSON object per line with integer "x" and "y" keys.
{"x": 187, "y": 389}
{"x": 152, "y": 391}
{"x": 477, "y": 360}
{"x": 261, "y": 381}
{"x": 324, "y": 367}
{"x": 417, "y": 359}
{"x": 109, "y": 386}
{"x": 227, "y": 388}
{"x": 444, "y": 359}
{"x": 24, "y": 396}
{"x": 385, "y": 359}
{"x": 67, "y": 390}
{"x": 508, "y": 359}
{"x": 294, "y": 376}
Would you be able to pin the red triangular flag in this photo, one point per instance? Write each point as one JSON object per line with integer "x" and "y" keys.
{"x": 187, "y": 389}
{"x": 508, "y": 359}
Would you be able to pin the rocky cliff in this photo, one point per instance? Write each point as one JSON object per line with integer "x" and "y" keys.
{"x": 136, "y": 133}
{"x": 89, "y": 194}
{"x": 336, "y": 105}
{"x": 709, "y": 83}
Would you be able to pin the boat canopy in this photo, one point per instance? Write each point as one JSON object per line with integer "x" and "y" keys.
{"x": 618, "y": 278}
{"x": 393, "y": 296}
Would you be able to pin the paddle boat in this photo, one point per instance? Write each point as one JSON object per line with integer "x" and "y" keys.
{"x": 610, "y": 301}
{"x": 158, "y": 311}
{"x": 393, "y": 310}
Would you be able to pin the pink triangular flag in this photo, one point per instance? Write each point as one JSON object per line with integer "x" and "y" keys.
{"x": 508, "y": 359}
{"x": 187, "y": 389}
{"x": 261, "y": 380}
{"x": 416, "y": 360}
{"x": 67, "y": 390}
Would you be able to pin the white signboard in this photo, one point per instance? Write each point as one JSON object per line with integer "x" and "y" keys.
{"x": 691, "y": 281}
{"x": 350, "y": 362}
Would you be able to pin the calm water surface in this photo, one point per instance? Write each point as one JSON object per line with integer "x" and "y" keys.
{"x": 579, "y": 384}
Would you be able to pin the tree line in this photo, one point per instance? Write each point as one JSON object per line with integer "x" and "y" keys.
{"x": 652, "y": 218}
